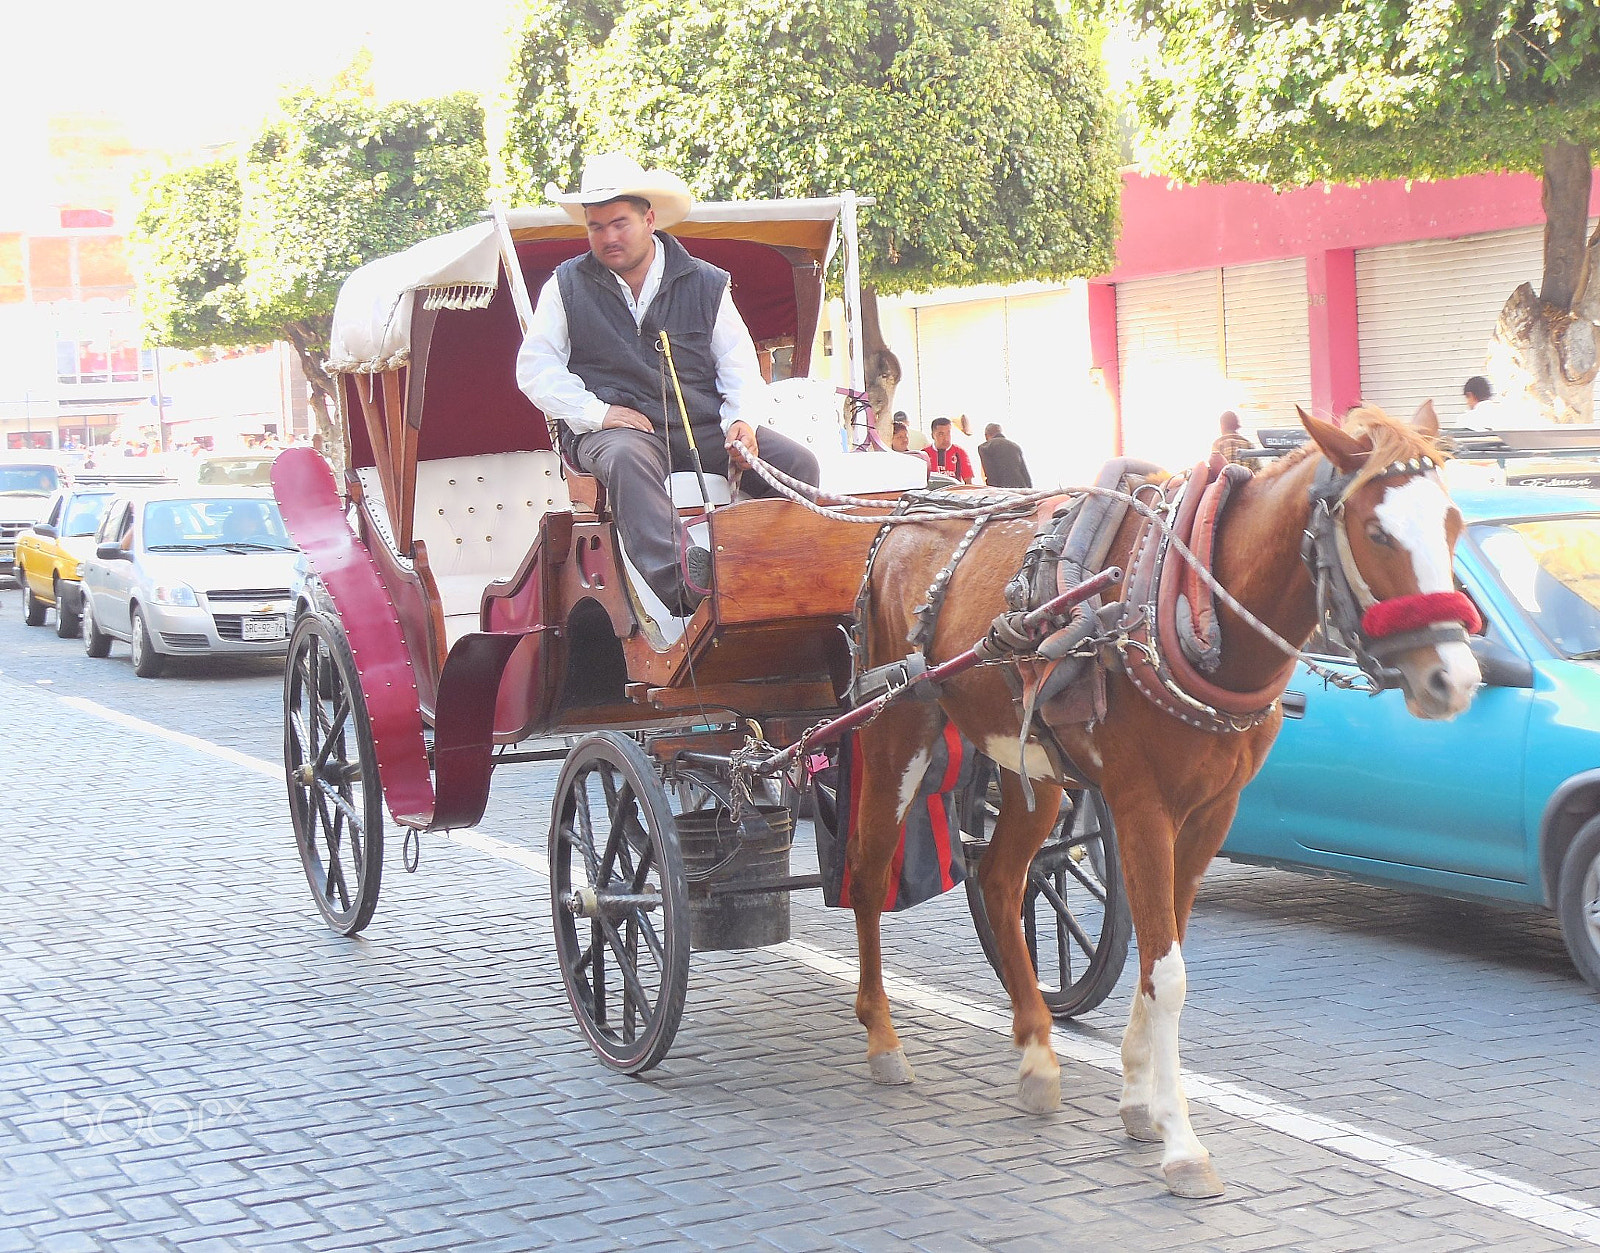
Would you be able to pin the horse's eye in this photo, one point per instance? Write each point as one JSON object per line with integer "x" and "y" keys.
{"x": 1379, "y": 536}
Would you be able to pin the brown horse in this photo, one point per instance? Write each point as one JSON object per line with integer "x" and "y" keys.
{"x": 1172, "y": 787}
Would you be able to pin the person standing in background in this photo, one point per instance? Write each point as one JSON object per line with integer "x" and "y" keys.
{"x": 943, "y": 456}
{"x": 1002, "y": 460}
{"x": 1231, "y": 442}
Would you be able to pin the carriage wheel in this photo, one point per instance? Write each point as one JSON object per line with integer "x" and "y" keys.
{"x": 335, "y": 800}
{"x": 620, "y": 901}
{"x": 1075, "y": 917}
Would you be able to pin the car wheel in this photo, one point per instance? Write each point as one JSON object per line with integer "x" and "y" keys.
{"x": 1578, "y": 901}
{"x": 147, "y": 663}
{"x": 33, "y": 609}
{"x": 66, "y": 619}
{"x": 95, "y": 641}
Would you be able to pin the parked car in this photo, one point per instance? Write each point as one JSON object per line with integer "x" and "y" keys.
{"x": 49, "y": 552}
{"x": 244, "y": 469}
{"x": 27, "y": 482}
{"x": 189, "y": 571}
{"x": 1501, "y": 804}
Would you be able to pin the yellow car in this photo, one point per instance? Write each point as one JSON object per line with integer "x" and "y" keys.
{"x": 48, "y": 554}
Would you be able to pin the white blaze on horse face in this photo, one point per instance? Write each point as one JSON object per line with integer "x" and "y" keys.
{"x": 1414, "y": 515}
{"x": 910, "y": 781}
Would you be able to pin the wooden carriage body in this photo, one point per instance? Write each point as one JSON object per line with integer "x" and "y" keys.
{"x": 470, "y": 526}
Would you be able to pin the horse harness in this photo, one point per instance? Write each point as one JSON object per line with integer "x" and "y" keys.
{"x": 1164, "y": 632}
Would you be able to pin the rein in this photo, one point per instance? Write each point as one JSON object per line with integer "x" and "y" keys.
{"x": 809, "y": 497}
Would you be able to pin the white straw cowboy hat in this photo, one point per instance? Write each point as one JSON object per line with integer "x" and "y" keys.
{"x": 613, "y": 174}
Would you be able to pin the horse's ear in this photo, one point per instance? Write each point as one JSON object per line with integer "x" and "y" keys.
{"x": 1426, "y": 419}
{"x": 1340, "y": 447}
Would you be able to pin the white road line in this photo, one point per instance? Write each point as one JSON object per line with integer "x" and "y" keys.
{"x": 1539, "y": 1206}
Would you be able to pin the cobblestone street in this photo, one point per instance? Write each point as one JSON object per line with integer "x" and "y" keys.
{"x": 191, "y": 1061}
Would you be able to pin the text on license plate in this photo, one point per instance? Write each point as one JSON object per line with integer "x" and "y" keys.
{"x": 265, "y": 627}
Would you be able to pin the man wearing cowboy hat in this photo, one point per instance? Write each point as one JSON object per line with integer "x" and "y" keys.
{"x": 591, "y": 359}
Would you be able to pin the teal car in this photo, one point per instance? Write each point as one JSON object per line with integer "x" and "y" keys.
{"x": 1501, "y": 804}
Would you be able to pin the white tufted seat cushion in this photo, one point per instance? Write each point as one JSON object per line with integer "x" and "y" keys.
{"x": 479, "y": 517}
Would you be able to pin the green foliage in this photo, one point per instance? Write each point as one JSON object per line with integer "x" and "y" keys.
{"x": 1294, "y": 91}
{"x": 185, "y": 247}
{"x": 980, "y": 126}
{"x": 334, "y": 181}
{"x": 254, "y": 249}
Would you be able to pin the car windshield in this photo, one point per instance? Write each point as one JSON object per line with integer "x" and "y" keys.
{"x": 202, "y": 525}
{"x": 83, "y": 514}
{"x": 22, "y": 480}
{"x": 1551, "y": 568}
{"x": 255, "y": 471}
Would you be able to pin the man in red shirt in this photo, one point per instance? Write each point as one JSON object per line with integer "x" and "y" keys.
{"x": 943, "y": 456}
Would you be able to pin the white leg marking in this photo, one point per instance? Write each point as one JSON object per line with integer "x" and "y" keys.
{"x": 1136, "y": 1055}
{"x": 1002, "y": 750}
{"x": 1169, "y": 1108}
{"x": 910, "y": 781}
{"x": 1039, "y": 1078}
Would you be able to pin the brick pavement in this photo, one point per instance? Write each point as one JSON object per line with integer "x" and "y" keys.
{"x": 192, "y": 1062}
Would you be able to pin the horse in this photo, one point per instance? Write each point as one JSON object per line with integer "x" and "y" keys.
{"x": 1171, "y": 778}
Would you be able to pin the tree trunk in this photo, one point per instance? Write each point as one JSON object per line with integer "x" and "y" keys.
{"x": 310, "y": 340}
{"x": 882, "y": 366}
{"x": 1543, "y": 357}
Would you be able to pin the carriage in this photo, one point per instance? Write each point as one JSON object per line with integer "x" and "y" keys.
{"x": 481, "y": 612}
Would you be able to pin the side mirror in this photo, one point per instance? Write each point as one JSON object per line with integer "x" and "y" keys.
{"x": 44, "y": 529}
{"x": 1501, "y": 666}
{"x": 112, "y": 552}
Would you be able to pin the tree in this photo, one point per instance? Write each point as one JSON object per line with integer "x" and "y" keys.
{"x": 980, "y": 126}
{"x": 1292, "y": 92}
{"x": 253, "y": 249}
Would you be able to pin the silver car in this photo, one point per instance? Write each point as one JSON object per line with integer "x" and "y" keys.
{"x": 187, "y": 572}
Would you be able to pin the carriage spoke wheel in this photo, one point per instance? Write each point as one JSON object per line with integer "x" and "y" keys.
{"x": 1075, "y": 918}
{"x": 620, "y": 901}
{"x": 335, "y": 802}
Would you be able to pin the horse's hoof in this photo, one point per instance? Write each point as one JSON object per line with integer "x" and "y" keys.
{"x": 1193, "y": 1179}
{"x": 1039, "y": 1080}
{"x": 1040, "y": 1093}
{"x": 890, "y": 1067}
{"x": 1136, "y": 1121}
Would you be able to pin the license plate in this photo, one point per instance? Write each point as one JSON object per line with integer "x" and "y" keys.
{"x": 267, "y": 627}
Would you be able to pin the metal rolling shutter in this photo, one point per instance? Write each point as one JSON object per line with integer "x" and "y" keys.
{"x": 1170, "y": 359}
{"x": 1427, "y": 311}
{"x": 1268, "y": 341}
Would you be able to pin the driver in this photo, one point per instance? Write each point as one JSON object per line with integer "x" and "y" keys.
{"x": 591, "y": 360}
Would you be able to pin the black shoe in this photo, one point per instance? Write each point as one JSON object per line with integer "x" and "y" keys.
{"x": 697, "y": 573}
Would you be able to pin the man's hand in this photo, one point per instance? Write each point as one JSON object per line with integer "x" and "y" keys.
{"x": 621, "y": 415}
{"x": 742, "y": 439}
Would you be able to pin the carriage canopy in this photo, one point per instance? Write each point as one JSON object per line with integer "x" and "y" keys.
{"x": 440, "y": 315}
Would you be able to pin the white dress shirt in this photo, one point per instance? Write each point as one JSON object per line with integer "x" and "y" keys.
{"x": 543, "y": 376}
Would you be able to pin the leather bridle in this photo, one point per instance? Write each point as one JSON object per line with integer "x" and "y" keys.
{"x": 1400, "y": 623}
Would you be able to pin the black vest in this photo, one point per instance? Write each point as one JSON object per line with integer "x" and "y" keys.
{"x": 622, "y": 364}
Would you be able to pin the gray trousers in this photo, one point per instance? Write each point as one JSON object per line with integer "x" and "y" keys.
{"x": 633, "y": 467}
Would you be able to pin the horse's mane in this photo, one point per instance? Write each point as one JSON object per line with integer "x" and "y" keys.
{"x": 1392, "y": 441}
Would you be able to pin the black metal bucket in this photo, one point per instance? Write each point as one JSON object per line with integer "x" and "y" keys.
{"x": 729, "y": 908}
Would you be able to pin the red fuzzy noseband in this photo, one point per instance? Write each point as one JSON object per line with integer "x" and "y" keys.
{"x": 1412, "y": 613}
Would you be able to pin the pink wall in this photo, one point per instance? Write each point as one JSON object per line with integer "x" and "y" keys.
{"x": 1170, "y": 229}
{"x": 1167, "y": 229}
